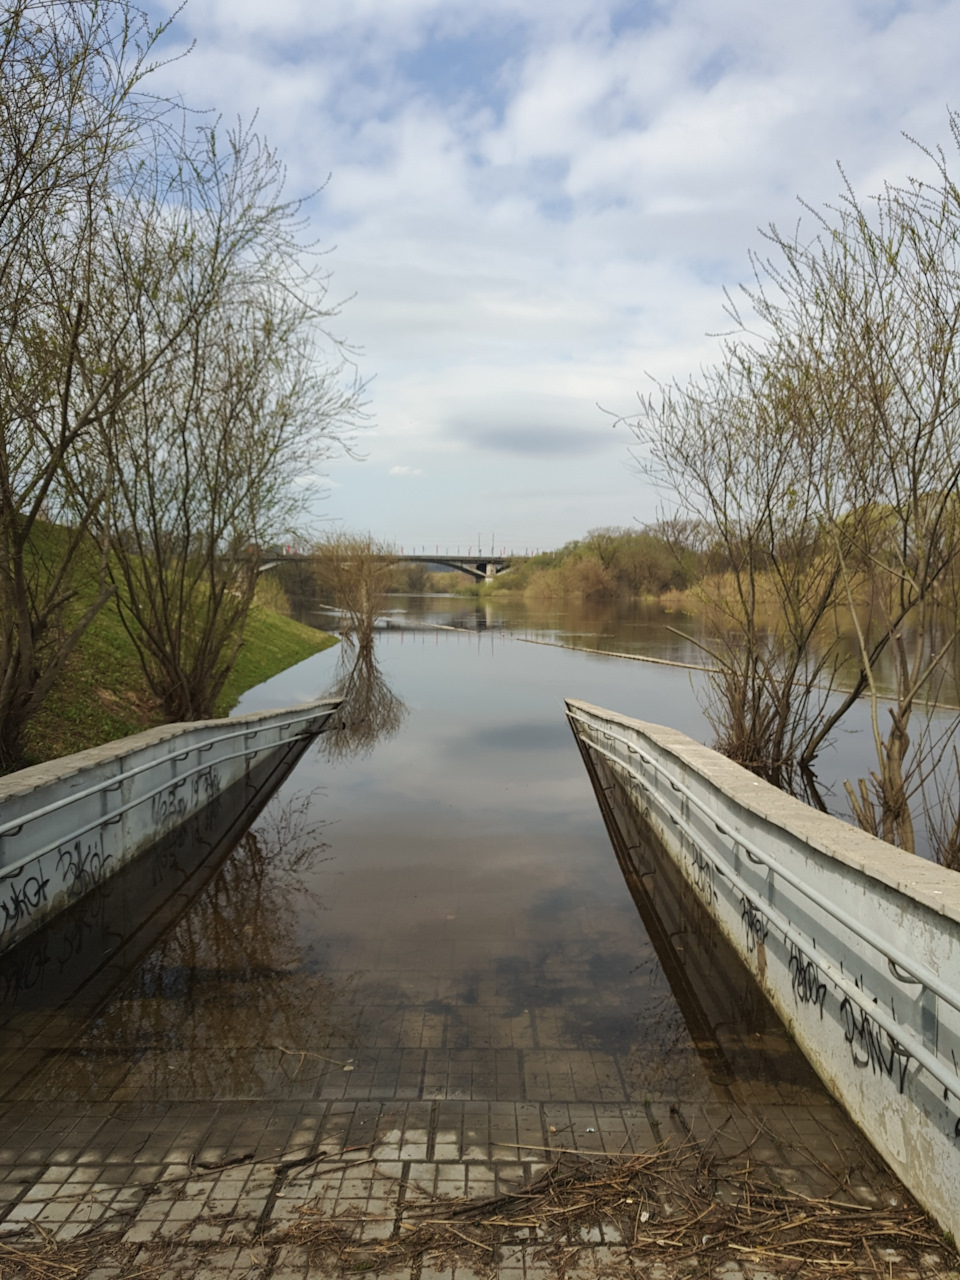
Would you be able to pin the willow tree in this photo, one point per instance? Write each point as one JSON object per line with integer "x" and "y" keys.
{"x": 356, "y": 570}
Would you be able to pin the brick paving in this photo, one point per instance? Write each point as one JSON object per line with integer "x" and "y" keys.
{"x": 218, "y": 1183}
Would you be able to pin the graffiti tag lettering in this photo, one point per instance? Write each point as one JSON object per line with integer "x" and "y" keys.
{"x": 808, "y": 988}
{"x": 169, "y": 809}
{"x": 871, "y": 1045}
{"x": 23, "y": 969}
{"x": 206, "y": 785}
{"x": 82, "y": 868}
{"x": 755, "y": 923}
{"x": 702, "y": 873}
{"x": 20, "y": 901}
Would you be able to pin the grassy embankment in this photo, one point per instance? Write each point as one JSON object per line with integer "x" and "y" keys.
{"x": 103, "y": 695}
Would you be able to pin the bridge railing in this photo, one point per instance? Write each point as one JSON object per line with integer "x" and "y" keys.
{"x": 855, "y": 944}
{"x": 67, "y": 824}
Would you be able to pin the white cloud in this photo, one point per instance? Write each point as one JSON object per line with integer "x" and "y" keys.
{"x": 536, "y": 206}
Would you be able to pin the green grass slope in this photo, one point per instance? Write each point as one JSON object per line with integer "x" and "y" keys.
{"x": 102, "y": 694}
{"x": 271, "y": 643}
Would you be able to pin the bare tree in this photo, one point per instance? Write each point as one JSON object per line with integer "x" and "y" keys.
{"x": 214, "y": 455}
{"x": 824, "y": 456}
{"x": 724, "y": 445}
{"x": 71, "y": 109}
{"x": 869, "y": 310}
{"x": 356, "y": 570}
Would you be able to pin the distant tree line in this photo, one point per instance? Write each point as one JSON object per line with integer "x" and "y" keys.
{"x": 609, "y": 562}
{"x": 820, "y": 460}
{"x": 167, "y": 374}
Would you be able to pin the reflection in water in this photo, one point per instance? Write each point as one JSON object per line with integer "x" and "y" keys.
{"x": 618, "y": 625}
{"x": 223, "y": 996}
{"x": 84, "y": 952}
{"x": 370, "y": 710}
{"x": 467, "y": 934}
{"x": 209, "y": 1009}
{"x": 645, "y": 628}
{"x": 740, "y": 1039}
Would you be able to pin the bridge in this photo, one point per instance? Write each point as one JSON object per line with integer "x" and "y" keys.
{"x": 482, "y": 567}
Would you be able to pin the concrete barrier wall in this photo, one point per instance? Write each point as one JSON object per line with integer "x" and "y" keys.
{"x": 856, "y": 945}
{"x": 67, "y": 824}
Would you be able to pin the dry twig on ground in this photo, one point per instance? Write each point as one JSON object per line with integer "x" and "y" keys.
{"x": 676, "y": 1207}
{"x": 681, "y": 1208}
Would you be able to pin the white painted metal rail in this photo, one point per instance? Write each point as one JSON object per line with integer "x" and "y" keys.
{"x": 856, "y": 944}
{"x": 67, "y": 825}
{"x": 158, "y": 764}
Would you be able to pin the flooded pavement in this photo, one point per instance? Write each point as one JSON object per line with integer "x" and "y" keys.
{"x": 439, "y": 907}
{"x": 426, "y": 959}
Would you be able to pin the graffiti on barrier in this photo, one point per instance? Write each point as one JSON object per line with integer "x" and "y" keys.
{"x": 206, "y": 792}
{"x": 82, "y": 866}
{"x": 170, "y": 807}
{"x": 205, "y": 785}
{"x": 872, "y": 1046}
{"x": 702, "y": 873}
{"x": 19, "y": 899}
{"x": 805, "y": 981}
{"x": 22, "y": 969}
{"x": 755, "y": 923}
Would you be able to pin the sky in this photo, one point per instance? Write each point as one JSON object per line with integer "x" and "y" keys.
{"x": 532, "y": 210}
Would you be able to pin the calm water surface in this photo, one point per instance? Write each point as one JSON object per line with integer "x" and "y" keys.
{"x": 430, "y": 907}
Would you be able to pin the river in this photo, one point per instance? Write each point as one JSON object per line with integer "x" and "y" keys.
{"x": 430, "y": 908}
{"x": 426, "y": 953}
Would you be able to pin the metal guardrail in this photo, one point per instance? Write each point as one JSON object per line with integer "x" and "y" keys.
{"x": 903, "y": 968}
{"x": 11, "y": 828}
{"x": 15, "y": 826}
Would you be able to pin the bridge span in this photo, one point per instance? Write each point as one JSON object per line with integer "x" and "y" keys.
{"x": 482, "y": 567}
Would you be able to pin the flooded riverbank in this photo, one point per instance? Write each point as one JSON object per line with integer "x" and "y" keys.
{"x": 425, "y": 958}
{"x": 434, "y": 913}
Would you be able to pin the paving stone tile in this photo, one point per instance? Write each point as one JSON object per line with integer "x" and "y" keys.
{"x": 451, "y": 1180}
{"x": 481, "y": 1179}
{"x": 377, "y": 1227}
{"x": 204, "y": 1232}
{"x": 216, "y": 1265}
{"x": 70, "y": 1230}
{"x": 22, "y": 1212}
{"x": 154, "y": 1210}
{"x": 185, "y": 1210}
{"x": 446, "y": 1144}
{"x": 141, "y": 1231}
{"x": 56, "y": 1211}
{"x": 292, "y": 1263}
